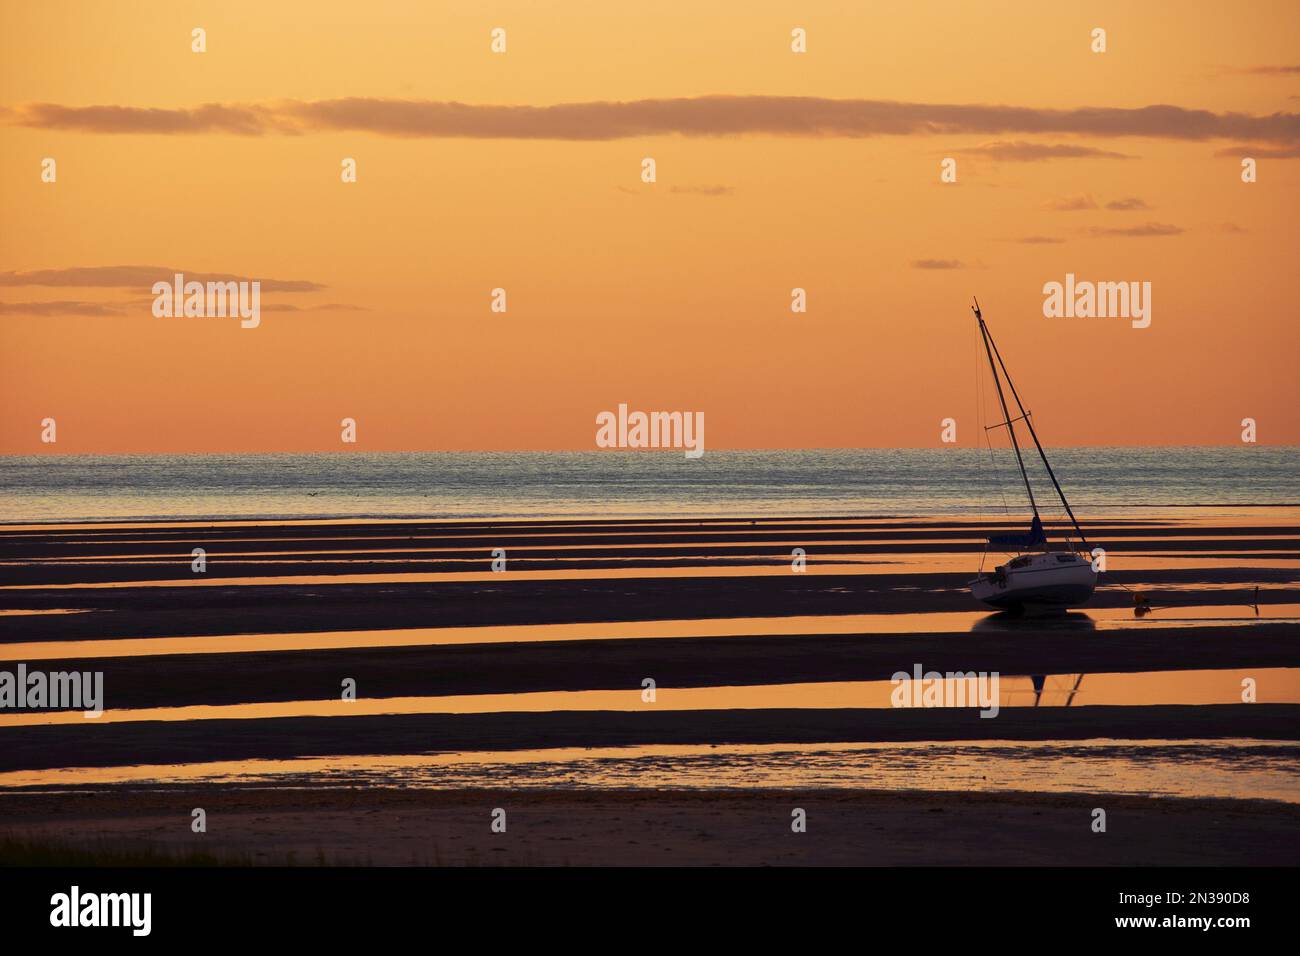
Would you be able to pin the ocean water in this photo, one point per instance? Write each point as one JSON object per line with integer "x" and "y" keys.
{"x": 814, "y": 483}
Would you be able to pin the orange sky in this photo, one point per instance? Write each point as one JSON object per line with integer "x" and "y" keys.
{"x": 667, "y": 296}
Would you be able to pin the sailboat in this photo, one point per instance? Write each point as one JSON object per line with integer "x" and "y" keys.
{"x": 1037, "y": 576}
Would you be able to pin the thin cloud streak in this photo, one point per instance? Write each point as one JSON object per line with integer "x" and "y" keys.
{"x": 59, "y": 308}
{"x": 1261, "y": 152}
{"x": 1146, "y": 229}
{"x": 1071, "y": 204}
{"x": 1021, "y": 152}
{"x": 688, "y": 116}
{"x": 1261, "y": 70}
{"x": 325, "y": 307}
{"x": 703, "y": 190}
{"x": 133, "y": 277}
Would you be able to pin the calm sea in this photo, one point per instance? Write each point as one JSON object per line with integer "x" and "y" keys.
{"x": 654, "y": 484}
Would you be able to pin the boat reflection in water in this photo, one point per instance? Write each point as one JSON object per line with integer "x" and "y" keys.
{"x": 1019, "y": 622}
{"x": 1022, "y": 619}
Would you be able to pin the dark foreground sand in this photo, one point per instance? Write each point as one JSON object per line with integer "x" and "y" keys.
{"x": 625, "y": 828}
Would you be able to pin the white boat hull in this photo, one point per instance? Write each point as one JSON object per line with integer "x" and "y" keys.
{"x": 1047, "y": 579}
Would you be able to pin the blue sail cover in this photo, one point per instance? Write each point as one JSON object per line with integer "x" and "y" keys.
{"x": 1035, "y": 537}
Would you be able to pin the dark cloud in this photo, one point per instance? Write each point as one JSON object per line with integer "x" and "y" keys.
{"x": 208, "y": 118}
{"x": 690, "y": 116}
{"x": 137, "y": 277}
{"x": 1127, "y": 205}
{"x": 937, "y": 264}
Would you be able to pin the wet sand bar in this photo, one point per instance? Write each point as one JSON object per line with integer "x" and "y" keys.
{"x": 503, "y": 668}
{"x": 173, "y": 742}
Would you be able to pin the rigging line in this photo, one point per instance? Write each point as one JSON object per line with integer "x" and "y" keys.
{"x": 993, "y": 465}
{"x": 979, "y": 464}
{"x": 1006, "y": 413}
{"x": 987, "y": 478}
{"x": 987, "y": 474}
{"x": 988, "y": 440}
{"x": 1002, "y": 491}
{"x": 1034, "y": 435}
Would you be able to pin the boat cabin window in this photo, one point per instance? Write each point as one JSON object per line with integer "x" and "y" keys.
{"x": 1065, "y": 558}
{"x": 1019, "y": 562}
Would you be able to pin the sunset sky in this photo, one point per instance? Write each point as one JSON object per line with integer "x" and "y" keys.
{"x": 775, "y": 170}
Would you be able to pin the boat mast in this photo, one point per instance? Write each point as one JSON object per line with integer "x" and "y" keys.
{"x": 1002, "y": 400}
{"x": 1029, "y": 422}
